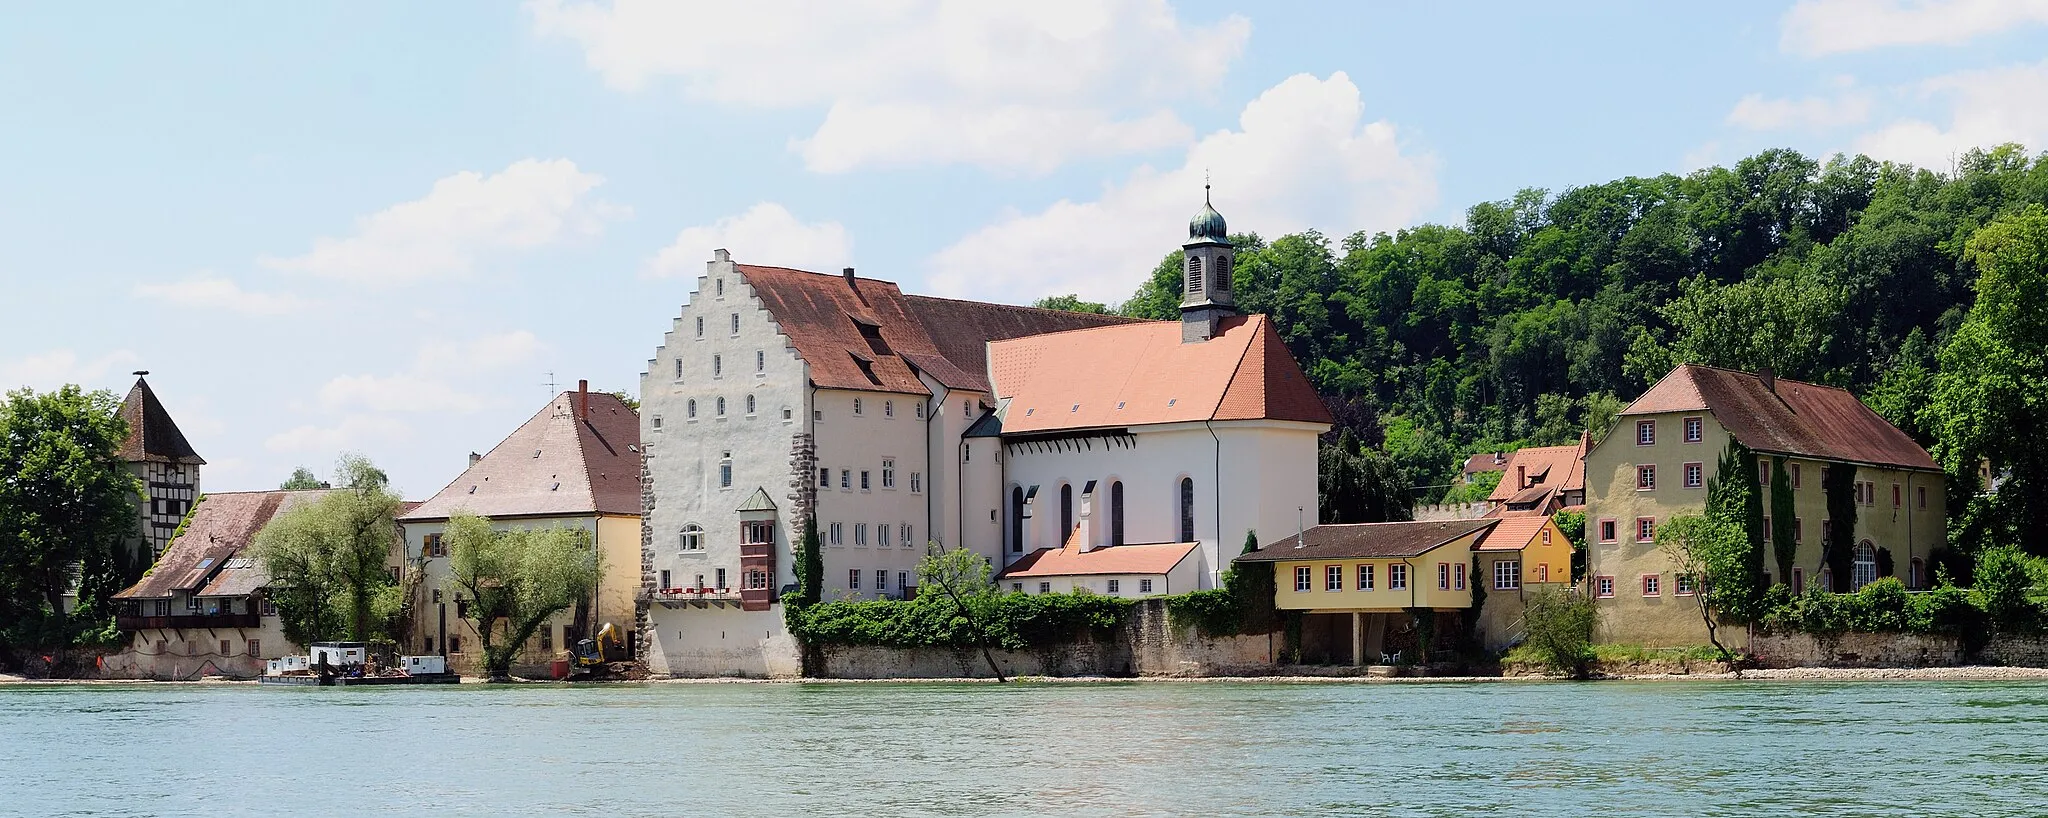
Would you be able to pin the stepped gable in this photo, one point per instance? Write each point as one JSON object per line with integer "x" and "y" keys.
{"x": 1135, "y": 374}
{"x": 215, "y": 540}
{"x": 152, "y": 435}
{"x": 1368, "y": 540}
{"x": 555, "y": 464}
{"x": 1780, "y": 416}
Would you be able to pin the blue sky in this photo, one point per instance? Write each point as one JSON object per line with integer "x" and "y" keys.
{"x": 377, "y": 227}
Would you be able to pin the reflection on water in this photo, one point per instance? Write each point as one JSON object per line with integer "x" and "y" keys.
{"x": 1051, "y": 749}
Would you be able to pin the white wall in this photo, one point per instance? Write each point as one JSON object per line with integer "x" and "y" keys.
{"x": 703, "y": 642}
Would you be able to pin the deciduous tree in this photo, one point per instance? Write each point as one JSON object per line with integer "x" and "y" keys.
{"x": 67, "y": 506}
{"x": 519, "y": 578}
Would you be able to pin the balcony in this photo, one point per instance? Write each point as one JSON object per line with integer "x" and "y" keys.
{"x": 695, "y": 597}
{"x": 193, "y": 622}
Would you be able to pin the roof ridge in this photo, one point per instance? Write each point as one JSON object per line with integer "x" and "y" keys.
{"x": 1757, "y": 375}
{"x": 1112, "y": 317}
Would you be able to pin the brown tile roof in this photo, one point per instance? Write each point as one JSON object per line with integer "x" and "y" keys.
{"x": 1791, "y": 417}
{"x": 961, "y": 330}
{"x": 1070, "y": 560}
{"x": 1562, "y": 468}
{"x": 152, "y": 435}
{"x": 1485, "y": 462}
{"x": 1135, "y": 374}
{"x": 1512, "y": 533}
{"x": 552, "y": 465}
{"x": 222, "y": 526}
{"x": 1371, "y": 540}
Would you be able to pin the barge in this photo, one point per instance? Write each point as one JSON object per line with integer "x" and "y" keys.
{"x": 349, "y": 664}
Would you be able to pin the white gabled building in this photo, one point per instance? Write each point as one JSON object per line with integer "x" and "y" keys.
{"x": 780, "y": 396}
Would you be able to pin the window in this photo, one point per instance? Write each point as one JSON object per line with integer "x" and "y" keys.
{"x": 1333, "y": 577}
{"x": 908, "y": 539}
{"x": 725, "y": 471}
{"x": 760, "y": 361}
{"x": 1767, "y": 528}
{"x": 1646, "y": 478}
{"x": 665, "y": 580}
{"x": 1603, "y": 587}
{"x": 824, "y": 478}
{"x": 881, "y": 581}
{"x": 1016, "y": 519}
{"x": 864, "y": 480}
{"x": 1646, "y": 432}
{"x": 856, "y": 406}
{"x": 1194, "y": 274}
{"x": 433, "y": 546}
{"x": 1114, "y": 587}
{"x": 1546, "y": 535}
{"x": 1303, "y": 579}
{"x": 735, "y": 323}
{"x": 1542, "y": 572}
{"x": 888, "y": 472}
{"x": 1507, "y": 575}
{"x": 1922, "y": 495}
{"x": 903, "y": 581}
{"x": 786, "y": 414}
{"x": 1607, "y": 531}
{"x": 692, "y": 538}
{"x": 838, "y": 533}
{"x": 1187, "y": 509}
{"x": 1763, "y": 472}
{"x": 1458, "y": 576}
{"x": 721, "y": 288}
{"x": 1443, "y": 576}
{"x": 1365, "y": 578}
{"x": 1794, "y": 471}
{"x": 750, "y": 406}
{"x": 717, "y": 366}
{"x": 679, "y": 369}
{"x": 721, "y": 580}
{"x": 1683, "y": 585}
{"x": 1695, "y": 475}
{"x": 656, "y": 420}
{"x": 700, "y": 326}
{"x": 1397, "y": 577}
{"x": 1066, "y": 511}
{"x": 860, "y": 534}
{"x": 1898, "y": 496}
{"x": 916, "y": 482}
{"x": 853, "y": 578}
{"x": 845, "y": 479}
{"x": 1144, "y": 586}
{"x": 1916, "y": 574}
{"x": 1017, "y": 587}
{"x": 1799, "y": 529}
{"x": 920, "y": 410}
{"x": 1116, "y": 513}
{"x": 1695, "y": 430}
{"x": 1045, "y": 587}
{"x": 454, "y": 644}
{"x": 700, "y": 582}
{"x": 1650, "y": 585}
{"x": 967, "y": 409}
{"x": 757, "y": 532}
{"x": 888, "y": 408}
{"x": 1862, "y": 565}
{"x": 1798, "y": 581}
{"x": 691, "y": 412}
{"x": 882, "y": 534}
{"x": 721, "y": 407}
{"x": 1646, "y": 529}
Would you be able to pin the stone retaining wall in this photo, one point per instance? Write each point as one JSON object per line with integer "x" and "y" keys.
{"x": 1782, "y": 650}
{"x": 1146, "y": 644}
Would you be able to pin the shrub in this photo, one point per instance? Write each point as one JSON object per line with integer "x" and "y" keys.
{"x": 1013, "y": 621}
{"x": 1215, "y": 612}
{"x": 1560, "y": 630}
{"x": 2005, "y": 582}
{"x": 1879, "y": 606}
{"x": 1946, "y": 609}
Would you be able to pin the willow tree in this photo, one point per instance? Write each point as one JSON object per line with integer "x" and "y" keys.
{"x": 329, "y": 559}
{"x": 520, "y": 577}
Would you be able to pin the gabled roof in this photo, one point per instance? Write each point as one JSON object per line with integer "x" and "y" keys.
{"x": 1485, "y": 462}
{"x": 555, "y": 464}
{"x": 1561, "y": 468}
{"x": 864, "y": 333}
{"x": 1136, "y": 374}
{"x": 208, "y": 558}
{"x": 152, "y": 435}
{"x": 1786, "y": 417}
{"x": 758, "y": 501}
{"x": 1369, "y": 540}
{"x": 1512, "y": 533}
{"x": 1070, "y": 561}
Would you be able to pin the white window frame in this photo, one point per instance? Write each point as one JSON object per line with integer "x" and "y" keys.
{"x": 1304, "y": 579}
{"x": 1507, "y": 575}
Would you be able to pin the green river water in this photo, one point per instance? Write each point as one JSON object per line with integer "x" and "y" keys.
{"x": 1109, "y": 749}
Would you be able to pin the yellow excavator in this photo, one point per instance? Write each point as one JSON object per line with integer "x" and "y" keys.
{"x": 600, "y": 659}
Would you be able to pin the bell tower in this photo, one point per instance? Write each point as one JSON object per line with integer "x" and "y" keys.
{"x": 1206, "y": 263}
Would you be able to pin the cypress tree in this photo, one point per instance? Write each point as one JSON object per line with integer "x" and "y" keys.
{"x": 1734, "y": 498}
{"x": 1838, "y": 485}
{"x": 1783, "y": 546}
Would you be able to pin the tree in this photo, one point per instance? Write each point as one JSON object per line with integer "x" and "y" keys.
{"x": 1573, "y": 523}
{"x": 521, "y": 577}
{"x": 627, "y": 398}
{"x": 303, "y": 479}
{"x": 1991, "y": 398}
{"x": 67, "y": 507}
{"x": 1361, "y": 486}
{"x": 1711, "y": 554}
{"x": 1784, "y": 545}
{"x": 963, "y": 575}
{"x": 1559, "y": 623}
{"x": 1735, "y": 498}
{"x": 329, "y": 559}
{"x": 1070, "y": 303}
{"x": 1838, "y": 488}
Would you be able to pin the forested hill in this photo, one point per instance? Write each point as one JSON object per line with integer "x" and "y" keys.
{"x": 1441, "y": 340}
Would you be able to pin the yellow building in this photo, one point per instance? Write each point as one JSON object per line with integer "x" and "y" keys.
{"x": 1361, "y": 585}
{"x": 1665, "y": 448}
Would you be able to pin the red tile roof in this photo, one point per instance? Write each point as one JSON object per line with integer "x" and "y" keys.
{"x": 223, "y": 525}
{"x": 1561, "y": 468}
{"x": 1070, "y": 560}
{"x": 962, "y": 330}
{"x": 555, "y": 464}
{"x": 1512, "y": 533}
{"x": 1136, "y": 374}
{"x": 1368, "y": 540}
{"x": 1789, "y": 417}
{"x": 152, "y": 435}
{"x": 1485, "y": 462}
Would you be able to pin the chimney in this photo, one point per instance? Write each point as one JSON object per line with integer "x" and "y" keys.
{"x": 582, "y": 400}
{"x": 1521, "y": 477}
{"x": 1500, "y": 458}
{"x": 1769, "y": 378}
{"x": 474, "y": 457}
{"x": 848, "y": 272}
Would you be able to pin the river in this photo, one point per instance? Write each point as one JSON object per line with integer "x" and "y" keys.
{"x": 1108, "y": 749}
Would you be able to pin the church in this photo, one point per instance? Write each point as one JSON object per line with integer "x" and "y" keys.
{"x": 1074, "y": 451}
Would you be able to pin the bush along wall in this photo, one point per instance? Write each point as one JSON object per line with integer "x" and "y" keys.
{"x": 1014, "y": 621}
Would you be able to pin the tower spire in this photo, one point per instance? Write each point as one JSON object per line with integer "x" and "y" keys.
{"x": 1207, "y": 258}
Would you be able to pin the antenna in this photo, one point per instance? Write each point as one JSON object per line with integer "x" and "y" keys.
{"x": 551, "y": 385}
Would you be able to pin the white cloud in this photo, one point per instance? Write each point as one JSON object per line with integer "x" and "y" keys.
{"x": 1303, "y": 156}
{"x": 766, "y": 233}
{"x": 888, "y": 69}
{"x": 529, "y": 204}
{"x": 1820, "y": 27}
{"x": 1986, "y": 108}
{"x": 1756, "y": 113}
{"x": 352, "y": 433}
{"x": 49, "y": 370}
{"x": 217, "y": 293}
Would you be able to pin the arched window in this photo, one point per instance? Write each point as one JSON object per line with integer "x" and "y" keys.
{"x": 693, "y": 539}
{"x": 721, "y": 407}
{"x": 1187, "y": 509}
{"x": 1066, "y": 512}
{"x": 1116, "y": 513}
{"x": 1223, "y": 273}
{"x": 1017, "y": 519}
{"x": 1916, "y": 574}
{"x": 1194, "y": 274}
{"x": 693, "y": 407}
{"x": 1863, "y": 567}
{"x": 750, "y": 404}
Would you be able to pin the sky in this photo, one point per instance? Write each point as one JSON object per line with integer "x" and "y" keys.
{"x": 388, "y": 227}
